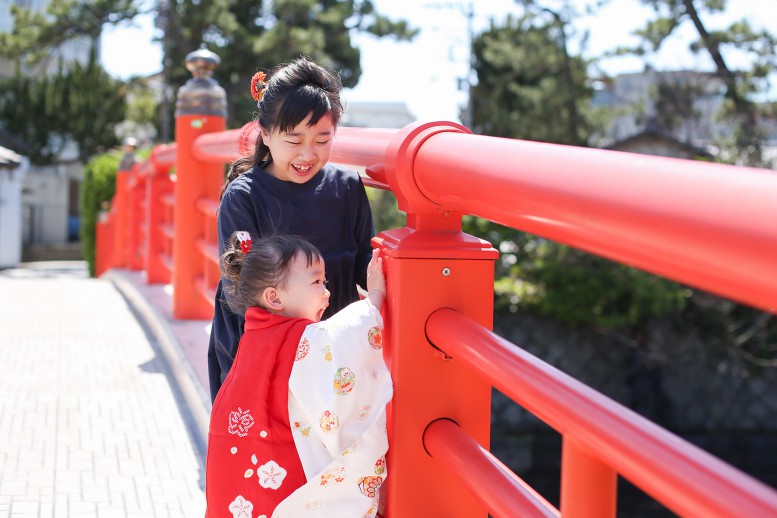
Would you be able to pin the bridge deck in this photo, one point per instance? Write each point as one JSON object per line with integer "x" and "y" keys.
{"x": 91, "y": 421}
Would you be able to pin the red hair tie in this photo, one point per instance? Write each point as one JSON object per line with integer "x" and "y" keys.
{"x": 258, "y": 85}
{"x": 244, "y": 238}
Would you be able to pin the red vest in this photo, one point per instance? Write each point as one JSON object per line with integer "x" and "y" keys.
{"x": 252, "y": 463}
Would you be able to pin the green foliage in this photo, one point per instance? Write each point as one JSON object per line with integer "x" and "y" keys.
{"x": 385, "y": 214}
{"x": 529, "y": 87}
{"x": 35, "y": 33}
{"x": 570, "y": 285}
{"x": 740, "y": 338}
{"x": 249, "y": 36}
{"x": 143, "y": 110}
{"x": 81, "y": 104}
{"x": 97, "y": 189}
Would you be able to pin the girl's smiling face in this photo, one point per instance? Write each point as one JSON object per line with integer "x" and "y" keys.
{"x": 299, "y": 154}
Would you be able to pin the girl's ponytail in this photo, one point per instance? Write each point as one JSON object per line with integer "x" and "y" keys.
{"x": 240, "y": 166}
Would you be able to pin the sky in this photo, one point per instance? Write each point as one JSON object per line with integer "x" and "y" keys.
{"x": 425, "y": 74}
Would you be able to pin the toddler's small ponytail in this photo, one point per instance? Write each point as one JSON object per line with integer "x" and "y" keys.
{"x": 232, "y": 260}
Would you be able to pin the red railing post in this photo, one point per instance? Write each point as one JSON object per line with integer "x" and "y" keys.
{"x": 136, "y": 220}
{"x": 159, "y": 186}
{"x": 103, "y": 246}
{"x": 200, "y": 109}
{"x": 120, "y": 208}
{"x": 430, "y": 264}
{"x": 589, "y": 486}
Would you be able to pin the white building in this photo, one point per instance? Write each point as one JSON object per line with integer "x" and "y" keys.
{"x": 12, "y": 170}
{"x": 50, "y": 194}
{"x": 376, "y": 115}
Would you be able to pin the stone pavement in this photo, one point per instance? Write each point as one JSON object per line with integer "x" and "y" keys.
{"x": 92, "y": 421}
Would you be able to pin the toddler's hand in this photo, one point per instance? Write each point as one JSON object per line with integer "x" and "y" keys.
{"x": 376, "y": 279}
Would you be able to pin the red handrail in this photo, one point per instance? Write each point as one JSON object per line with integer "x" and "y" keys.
{"x": 163, "y": 157}
{"x": 683, "y": 477}
{"x": 702, "y": 224}
{"x": 708, "y": 225}
{"x": 505, "y": 494}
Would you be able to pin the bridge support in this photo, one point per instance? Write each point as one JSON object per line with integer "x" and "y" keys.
{"x": 157, "y": 245}
{"x": 200, "y": 109}
{"x": 430, "y": 265}
{"x": 120, "y": 208}
{"x": 589, "y": 487}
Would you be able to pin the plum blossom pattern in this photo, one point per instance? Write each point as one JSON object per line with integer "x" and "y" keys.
{"x": 380, "y": 465}
{"x": 271, "y": 475}
{"x": 303, "y": 426}
{"x": 369, "y": 486}
{"x": 333, "y": 475}
{"x": 302, "y": 350}
{"x": 241, "y": 508}
{"x": 375, "y": 338}
{"x": 329, "y": 422}
{"x": 240, "y": 422}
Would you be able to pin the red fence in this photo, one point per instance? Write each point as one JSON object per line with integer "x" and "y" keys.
{"x": 706, "y": 225}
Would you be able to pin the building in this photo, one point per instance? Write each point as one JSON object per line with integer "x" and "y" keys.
{"x": 652, "y": 140}
{"x": 13, "y": 167}
{"x": 669, "y": 113}
{"x": 50, "y": 194}
{"x": 359, "y": 114}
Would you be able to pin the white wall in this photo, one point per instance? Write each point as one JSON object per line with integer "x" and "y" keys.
{"x": 11, "y": 215}
{"x": 45, "y": 205}
{"x": 376, "y": 115}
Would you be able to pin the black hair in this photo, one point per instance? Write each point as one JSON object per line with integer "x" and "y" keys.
{"x": 266, "y": 265}
{"x": 294, "y": 91}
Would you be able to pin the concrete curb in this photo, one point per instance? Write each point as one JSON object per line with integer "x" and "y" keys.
{"x": 195, "y": 395}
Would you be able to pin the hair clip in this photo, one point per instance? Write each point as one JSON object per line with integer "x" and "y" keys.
{"x": 258, "y": 87}
{"x": 244, "y": 238}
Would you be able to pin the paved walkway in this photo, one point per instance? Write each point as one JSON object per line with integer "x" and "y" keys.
{"x": 91, "y": 422}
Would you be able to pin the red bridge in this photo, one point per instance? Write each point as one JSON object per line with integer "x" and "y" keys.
{"x": 705, "y": 225}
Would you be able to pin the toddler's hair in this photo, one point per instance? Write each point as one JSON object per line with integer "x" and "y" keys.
{"x": 266, "y": 265}
{"x": 294, "y": 91}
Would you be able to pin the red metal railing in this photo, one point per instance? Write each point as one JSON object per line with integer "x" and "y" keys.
{"x": 684, "y": 478}
{"x": 706, "y": 225}
{"x": 159, "y": 215}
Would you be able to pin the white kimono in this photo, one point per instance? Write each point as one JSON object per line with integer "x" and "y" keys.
{"x": 338, "y": 391}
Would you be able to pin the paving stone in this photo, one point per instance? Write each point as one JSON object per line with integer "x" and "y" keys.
{"x": 87, "y": 408}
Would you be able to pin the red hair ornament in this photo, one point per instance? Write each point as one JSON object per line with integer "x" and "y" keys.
{"x": 258, "y": 86}
{"x": 244, "y": 238}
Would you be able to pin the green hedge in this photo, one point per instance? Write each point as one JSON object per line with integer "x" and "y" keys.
{"x": 98, "y": 186}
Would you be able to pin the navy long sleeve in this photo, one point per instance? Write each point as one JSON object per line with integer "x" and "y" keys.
{"x": 331, "y": 211}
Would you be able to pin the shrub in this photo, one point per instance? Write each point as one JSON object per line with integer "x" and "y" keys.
{"x": 98, "y": 186}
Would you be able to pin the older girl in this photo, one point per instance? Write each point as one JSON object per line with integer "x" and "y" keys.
{"x": 288, "y": 187}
